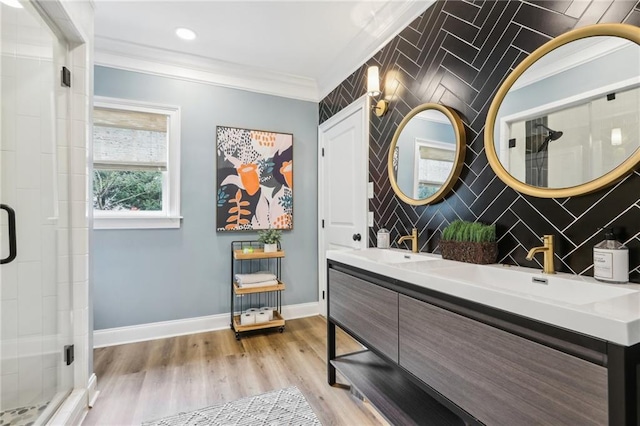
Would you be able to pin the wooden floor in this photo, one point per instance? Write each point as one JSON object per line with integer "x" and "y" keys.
{"x": 148, "y": 380}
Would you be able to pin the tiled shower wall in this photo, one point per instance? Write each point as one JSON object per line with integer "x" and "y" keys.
{"x": 457, "y": 53}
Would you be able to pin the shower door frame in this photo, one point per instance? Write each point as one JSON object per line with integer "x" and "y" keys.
{"x": 36, "y": 290}
{"x": 73, "y": 21}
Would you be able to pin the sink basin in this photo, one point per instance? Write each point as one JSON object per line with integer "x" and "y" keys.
{"x": 392, "y": 256}
{"x": 563, "y": 288}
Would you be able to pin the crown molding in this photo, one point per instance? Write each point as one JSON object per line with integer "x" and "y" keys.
{"x": 397, "y": 16}
{"x": 150, "y": 60}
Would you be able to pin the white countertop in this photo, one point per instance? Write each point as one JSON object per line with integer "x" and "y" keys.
{"x": 607, "y": 311}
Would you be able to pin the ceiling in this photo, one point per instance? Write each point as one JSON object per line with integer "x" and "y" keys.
{"x": 300, "y": 49}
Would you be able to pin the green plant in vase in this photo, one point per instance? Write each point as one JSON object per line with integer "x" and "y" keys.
{"x": 472, "y": 242}
{"x": 270, "y": 238}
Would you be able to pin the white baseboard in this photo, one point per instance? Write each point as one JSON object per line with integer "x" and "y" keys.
{"x": 72, "y": 411}
{"x": 160, "y": 330}
{"x": 300, "y": 310}
{"x": 93, "y": 391}
{"x": 76, "y": 405}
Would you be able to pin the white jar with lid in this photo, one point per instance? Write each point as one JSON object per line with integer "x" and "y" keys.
{"x": 611, "y": 260}
{"x": 383, "y": 238}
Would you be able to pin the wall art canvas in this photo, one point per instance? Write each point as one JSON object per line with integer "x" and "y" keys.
{"x": 255, "y": 179}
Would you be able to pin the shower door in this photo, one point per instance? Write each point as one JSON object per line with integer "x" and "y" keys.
{"x": 35, "y": 292}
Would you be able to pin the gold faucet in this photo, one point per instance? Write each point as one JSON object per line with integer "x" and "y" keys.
{"x": 547, "y": 249}
{"x": 414, "y": 239}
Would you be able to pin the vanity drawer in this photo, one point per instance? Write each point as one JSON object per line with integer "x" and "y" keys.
{"x": 498, "y": 377}
{"x": 367, "y": 310}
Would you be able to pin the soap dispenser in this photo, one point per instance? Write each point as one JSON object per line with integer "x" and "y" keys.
{"x": 383, "y": 238}
{"x": 611, "y": 260}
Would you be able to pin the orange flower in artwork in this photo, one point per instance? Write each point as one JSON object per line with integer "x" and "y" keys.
{"x": 283, "y": 222}
{"x": 287, "y": 172}
{"x": 263, "y": 138}
{"x": 249, "y": 176}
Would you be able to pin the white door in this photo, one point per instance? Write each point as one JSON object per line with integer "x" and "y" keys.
{"x": 342, "y": 176}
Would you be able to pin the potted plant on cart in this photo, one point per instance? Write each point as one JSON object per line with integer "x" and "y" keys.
{"x": 270, "y": 238}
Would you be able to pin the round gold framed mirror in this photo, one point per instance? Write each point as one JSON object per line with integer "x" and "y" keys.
{"x": 566, "y": 121}
{"x": 426, "y": 154}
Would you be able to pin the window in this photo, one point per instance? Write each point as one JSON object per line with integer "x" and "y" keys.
{"x": 136, "y": 165}
{"x": 434, "y": 162}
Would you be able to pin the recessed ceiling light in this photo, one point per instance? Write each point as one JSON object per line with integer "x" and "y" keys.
{"x": 185, "y": 33}
{"x": 12, "y": 3}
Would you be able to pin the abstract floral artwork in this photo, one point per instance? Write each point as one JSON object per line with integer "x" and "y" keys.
{"x": 255, "y": 179}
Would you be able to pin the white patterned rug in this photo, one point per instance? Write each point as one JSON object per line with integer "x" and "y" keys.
{"x": 279, "y": 407}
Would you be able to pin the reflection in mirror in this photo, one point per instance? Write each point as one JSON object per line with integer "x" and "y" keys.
{"x": 593, "y": 138}
{"x": 425, "y": 155}
{"x": 434, "y": 162}
{"x": 426, "y": 152}
{"x": 570, "y": 117}
{"x": 575, "y": 117}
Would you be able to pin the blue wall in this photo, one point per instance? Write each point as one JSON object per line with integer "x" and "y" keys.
{"x": 144, "y": 276}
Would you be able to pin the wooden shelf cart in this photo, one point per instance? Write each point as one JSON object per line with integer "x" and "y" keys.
{"x": 249, "y": 257}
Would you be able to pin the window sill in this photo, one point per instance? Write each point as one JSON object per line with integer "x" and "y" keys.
{"x": 145, "y": 222}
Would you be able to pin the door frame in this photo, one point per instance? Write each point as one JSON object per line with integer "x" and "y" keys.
{"x": 71, "y": 21}
{"x": 362, "y": 107}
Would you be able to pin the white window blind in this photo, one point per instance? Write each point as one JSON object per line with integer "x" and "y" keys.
{"x": 435, "y": 171}
{"x": 129, "y": 140}
{"x": 435, "y": 164}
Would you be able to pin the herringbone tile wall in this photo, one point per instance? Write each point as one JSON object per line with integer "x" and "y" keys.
{"x": 457, "y": 53}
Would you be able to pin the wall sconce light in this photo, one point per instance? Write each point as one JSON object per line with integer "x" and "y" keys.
{"x": 616, "y": 136}
{"x": 373, "y": 89}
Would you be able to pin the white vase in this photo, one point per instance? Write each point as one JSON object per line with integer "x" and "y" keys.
{"x": 270, "y": 248}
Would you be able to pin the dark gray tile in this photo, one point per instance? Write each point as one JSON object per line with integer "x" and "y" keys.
{"x": 463, "y": 50}
{"x": 544, "y": 21}
{"x": 458, "y": 87}
{"x": 480, "y": 204}
{"x": 460, "y": 68}
{"x": 594, "y": 12}
{"x": 491, "y": 77}
{"x": 483, "y": 14}
{"x": 618, "y": 11}
{"x": 460, "y": 28}
{"x": 528, "y": 40}
{"x": 560, "y": 6}
{"x": 610, "y": 202}
{"x": 577, "y": 8}
{"x": 482, "y": 180}
{"x": 461, "y": 9}
{"x": 633, "y": 18}
{"x": 551, "y": 209}
{"x": 411, "y": 35}
{"x": 499, "y": 37}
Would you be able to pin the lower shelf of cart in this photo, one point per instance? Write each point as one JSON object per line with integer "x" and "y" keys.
{"x": 277, "y": 321}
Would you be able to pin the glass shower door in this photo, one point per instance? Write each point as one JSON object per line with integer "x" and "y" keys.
{"x": 35, "y": 293}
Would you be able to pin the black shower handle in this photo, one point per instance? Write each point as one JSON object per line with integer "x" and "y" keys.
{"x": 12, "y": 235}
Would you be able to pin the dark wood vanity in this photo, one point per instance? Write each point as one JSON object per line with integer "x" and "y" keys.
{"x": 432, "y": 358}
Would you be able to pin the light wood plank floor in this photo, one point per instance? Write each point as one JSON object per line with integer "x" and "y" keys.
{"x": 149, "y": 380}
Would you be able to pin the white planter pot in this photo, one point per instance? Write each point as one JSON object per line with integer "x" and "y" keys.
{"x": 270, "y": 248}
